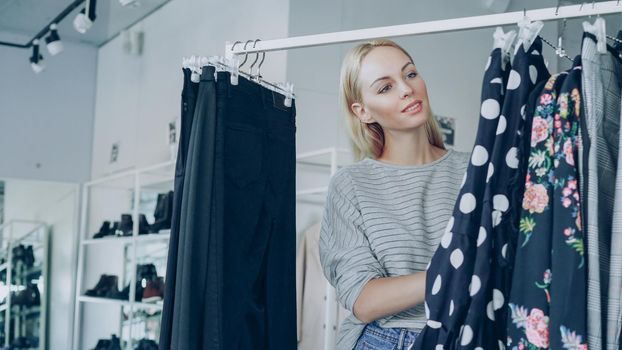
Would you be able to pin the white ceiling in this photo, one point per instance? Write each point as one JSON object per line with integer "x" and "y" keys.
{"x": 20, "y": 20}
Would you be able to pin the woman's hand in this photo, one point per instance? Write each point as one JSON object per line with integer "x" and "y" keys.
{"x": 387, "y": 296}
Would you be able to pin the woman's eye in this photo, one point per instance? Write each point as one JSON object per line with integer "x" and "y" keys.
{"x": 384, "y": 89}
{"x": 412, "y": 74}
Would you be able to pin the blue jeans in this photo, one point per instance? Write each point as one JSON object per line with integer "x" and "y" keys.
{"x": 376, "y": 338}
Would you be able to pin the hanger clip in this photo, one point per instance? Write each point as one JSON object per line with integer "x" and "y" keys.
{"x": 598, "y": 29}
{"x": 504, "y": 41}
{"x": 234, "y": 63}
{"x": 528, "y": 31}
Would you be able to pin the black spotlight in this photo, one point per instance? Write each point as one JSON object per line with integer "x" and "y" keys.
{"x": 36, "y": 60}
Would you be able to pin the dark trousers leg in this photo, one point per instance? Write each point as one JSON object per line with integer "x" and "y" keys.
{"x": 188, "y": 320}
{"x": 188, "y": 101}
{"x": 259, "y": 309}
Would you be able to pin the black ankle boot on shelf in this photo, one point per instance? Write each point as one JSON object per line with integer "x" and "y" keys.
{"x": 29, "y": 256}
{"x": 126, "y": 225}
{"x": 143, "y": 225}
{"x": 18, "y": 253}
{"x": 163, "y": 212}
{"x": 104, "y": 230}
{"x": 114, "y": 343}
{"x": 27, "y": 297}
{"x": 146, "y": 344}
{"x": 105, "y": 288}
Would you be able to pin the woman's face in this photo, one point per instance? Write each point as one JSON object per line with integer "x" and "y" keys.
{"x": 394, "y": 94}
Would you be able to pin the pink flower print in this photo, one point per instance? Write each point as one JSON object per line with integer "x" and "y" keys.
{"x": 546, "y": 99}
{"x": 575, "y": 196}
{"x": 558, "y": 124}
{"x": 521, "y": 346}
{"x": 568, "y": 152}
{"x": 567, "y": 232}
{"x": 566, "y": 192}
{"x": 572, "y": 184}
{"x": 539, "y": 131}
{"x": 537, "y": 328}
{"x": 536, "y": 199}
{"x": 566, "y": 202}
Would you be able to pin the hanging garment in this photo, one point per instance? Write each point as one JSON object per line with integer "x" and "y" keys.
{"x": 601, "y": 93}
{"x": 188, "y": 101}
{"x": 525, "y": 294}
{"x": 568, "y": 261}
{"x": 614, "y": 319}
{"x": 190, "y": 329}
{"x": 550, "y": 258}
{"x": 257, "y": 237}
{"x": 478, "y": 290}
{"x": 441, "y": 327}
{"x": 491, "y": 281}
{"x": 235, "y": 281}
{"x": 384, "y": 220}
{"x": 311, "y": 294}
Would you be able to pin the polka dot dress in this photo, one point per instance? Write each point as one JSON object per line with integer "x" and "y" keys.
{"x": 449, "y": 275}
{"x": 469, "y": 275}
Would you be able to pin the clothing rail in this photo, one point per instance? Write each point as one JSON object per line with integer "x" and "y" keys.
{"x": 430, "y": 27}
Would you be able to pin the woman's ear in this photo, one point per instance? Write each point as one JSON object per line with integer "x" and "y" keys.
{"x": 361, "y": 113}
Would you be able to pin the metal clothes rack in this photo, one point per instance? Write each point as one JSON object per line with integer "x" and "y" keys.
{"x": 429, "y": 27}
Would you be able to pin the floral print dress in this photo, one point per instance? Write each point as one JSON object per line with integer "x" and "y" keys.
{"x": 550, "y": 256}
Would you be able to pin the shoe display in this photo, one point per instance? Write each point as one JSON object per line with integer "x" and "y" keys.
{"x": 104, "y": 230}
{"x": 105, "y": 288}
{"x": 29, "y": 256}
{"x": 27, "y": 297}
{"x": 146, "y": 344}
{"x": 114, "y": 343}
{"x": 143, "y": 225}
{"x": 154, "y": 291}
{"x": 126, "y": 225}
{"x": 163, "y": 212}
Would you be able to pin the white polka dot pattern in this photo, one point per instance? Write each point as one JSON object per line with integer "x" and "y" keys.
{"x": 479, "y": 156}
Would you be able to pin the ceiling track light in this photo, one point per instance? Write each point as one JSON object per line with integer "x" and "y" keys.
{"x": 36, "y": 60}
{"x": 84, "y": 20}
{"x": 53, "y": 43}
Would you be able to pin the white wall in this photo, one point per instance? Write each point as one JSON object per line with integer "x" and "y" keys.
{"x": 55, "y": 204}
{"x": 46, "y": 119}
{"x": 138, "y": 96}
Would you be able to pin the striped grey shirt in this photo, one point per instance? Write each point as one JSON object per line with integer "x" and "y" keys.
{"x": 384, "y": 220}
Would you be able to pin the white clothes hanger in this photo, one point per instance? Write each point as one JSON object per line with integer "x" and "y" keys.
{"x": 598, "y": 29}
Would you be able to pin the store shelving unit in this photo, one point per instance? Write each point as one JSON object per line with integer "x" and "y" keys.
{"x": 326, "y": 161}
{"x": 23, "y": 320}
{"x": 128, "y": 192}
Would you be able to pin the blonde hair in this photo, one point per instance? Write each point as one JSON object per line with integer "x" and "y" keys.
{"x": 368, "y": 139}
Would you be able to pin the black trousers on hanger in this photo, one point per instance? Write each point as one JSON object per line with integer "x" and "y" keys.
{"x": 188, "y": 321}
{"x": 188, "y": 101}
{"x": 235, "y": 273}
{"x": 256, "y": 239}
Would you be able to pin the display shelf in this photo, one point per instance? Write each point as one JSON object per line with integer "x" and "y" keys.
{"x": 321, "y": 165}
{"x": 96, "y": 300}
{"x": 325, "y": 157}
{"x": 101, "y": 201}
{"x": 26, "y": 321}
{"x": 162, "y": 236}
